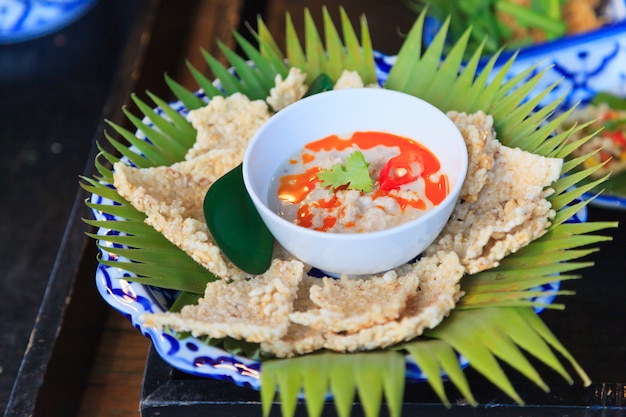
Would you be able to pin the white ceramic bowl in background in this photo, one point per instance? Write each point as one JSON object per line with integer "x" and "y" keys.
{"x": 344, "y": 112}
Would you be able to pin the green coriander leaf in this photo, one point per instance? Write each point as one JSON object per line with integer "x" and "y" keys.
{"x": 353, "y": 174}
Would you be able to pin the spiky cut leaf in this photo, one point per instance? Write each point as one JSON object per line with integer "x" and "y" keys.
{"x": 371, "y": 375}
{"x": 436, "y": 357}
{"x": 489, "y": 335}
{"x": 334, "y": 56}
{"x": 481, "y": 327}
{"x": 254, "y": 74}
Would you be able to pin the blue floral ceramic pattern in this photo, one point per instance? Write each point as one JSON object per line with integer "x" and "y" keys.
{"x": 21, "y": 20}
{"x": 191, "y": 355}
{"x": 584, "y": 65}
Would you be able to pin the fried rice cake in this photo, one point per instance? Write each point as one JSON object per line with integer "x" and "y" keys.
{"x": 172, "y": 199}
{"x": 172, "y": 196}
{"x": 351, "y": 304}
{"x": 477, "y": 131}
{"x": 507, "y": 206}
{"x": 227, "y": 123}
{"x": 256, "y": 309}
{"x": 299, "y": 339}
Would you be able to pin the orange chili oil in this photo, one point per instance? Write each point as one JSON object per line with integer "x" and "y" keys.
{"x": 296, "y": 187}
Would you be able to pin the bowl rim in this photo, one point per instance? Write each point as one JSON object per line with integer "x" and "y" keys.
{"x": 453, "y": 193}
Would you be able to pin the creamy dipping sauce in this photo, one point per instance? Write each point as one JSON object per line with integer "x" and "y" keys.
{"x": 407, "y": 183}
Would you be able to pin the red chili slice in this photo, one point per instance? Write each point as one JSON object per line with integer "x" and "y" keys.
{"x": 399, "y": 170}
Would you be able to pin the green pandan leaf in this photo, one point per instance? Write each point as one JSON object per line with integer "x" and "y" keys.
{"x": 181, "y": 131}
{"x": 434, "y": 358}
{"x": 207, "y": 86}
{"x": 270, "y": 52}
{"x": 468, "y": 332}
{"x": 162, "y": 276}
{"x": 400, "y": 75}
{"x": 235, "y": 223}
{"x": 372, "y": 376}
{"x": 358, "y": 56}
{"x": 251, "y": 83}
{"x": 447, "y": 73}
{"x": 183, "y": 299}
{"x": 267, "y": 69}
{"x": 189, "y": 99}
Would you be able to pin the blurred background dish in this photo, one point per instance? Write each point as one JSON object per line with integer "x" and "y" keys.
{"x": 22, "y": 20}
{"x": 584, "y": 63}
{"x": 605, "y": 120}
{"x": 578, "y": 64}
{"x": 515, "y": 24}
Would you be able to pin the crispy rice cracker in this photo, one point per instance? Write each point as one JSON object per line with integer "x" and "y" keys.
{"x": 293, "y": 87}
{"x": 351, "y": 304}
{"x": 348, "y": 79}
{"x": 511, "y": 210}
{"x": 289, "y": 90}
{"x": 477, "y": 130}
{"x": 256, "y": 309}
{"x": 227, "y": 123}
{"x": 172, "y": 198}
{"x": 438, "y": 292}
{"x": 299, "y": 339}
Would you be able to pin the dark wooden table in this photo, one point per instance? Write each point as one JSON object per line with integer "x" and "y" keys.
{"x": 63, "y": 352}
{"x": 54, "y": 92}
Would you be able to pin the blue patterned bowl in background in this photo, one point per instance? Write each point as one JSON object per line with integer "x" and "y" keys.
{"x": 583, "y": 64}
{"x": 22, "y": 20}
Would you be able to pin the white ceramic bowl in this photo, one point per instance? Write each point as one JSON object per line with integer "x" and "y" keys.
{"x": 344, "y": 112}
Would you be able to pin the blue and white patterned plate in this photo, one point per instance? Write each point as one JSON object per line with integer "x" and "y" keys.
{"x": 21, "y": 20}
{"x": 191, "y": 355}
